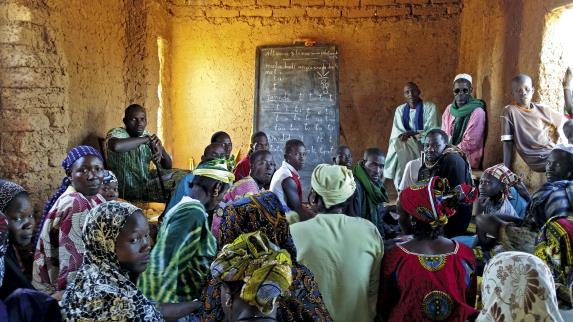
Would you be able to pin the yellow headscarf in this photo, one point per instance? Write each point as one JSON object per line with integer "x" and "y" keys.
{"x": 334, "y": 183}
{"x": 261, "y": 265}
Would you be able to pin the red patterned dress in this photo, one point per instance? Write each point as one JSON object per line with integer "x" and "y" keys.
{"x": 60, "y": 249}
{"x": 418, "y": 287}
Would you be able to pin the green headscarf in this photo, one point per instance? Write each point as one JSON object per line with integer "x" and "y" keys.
{"x": 462, "y": 117}
{"x": 375, "y": 192}
{"x": 217, "y": 169}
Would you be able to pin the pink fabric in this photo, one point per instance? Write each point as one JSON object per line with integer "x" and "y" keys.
{"x": 60, "y": 249}
{"x": 244, "y": 187}
{"x": 473, "y": 139}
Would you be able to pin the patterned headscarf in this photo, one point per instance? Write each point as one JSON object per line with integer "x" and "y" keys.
{"x": 73, "y": 155}
{"x": 264, "y": 269}
{"x": 518, "y": 287}
{"x": 8, "y": 191}
{"x": 101, "y": 290}
{"x": 433, "y": 202}
{"x": 263, "y": 212}
{"x": 109, "y": 177}
{"x": 503, "y": 174}
{"x": 334, "y": 183}
{"x": 3, "y": 243}
{"x": 217, "y": 169}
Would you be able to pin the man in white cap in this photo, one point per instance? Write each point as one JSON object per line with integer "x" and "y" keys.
{"x": 343, "y": 252}
{"x": 534, "y": 129}
{"x": 464, "y": 120}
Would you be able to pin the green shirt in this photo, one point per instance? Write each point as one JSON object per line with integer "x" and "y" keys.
{"x": 345, "y": 255}
{"x": 181, "y": 258}
{"x": 132, "y": 168}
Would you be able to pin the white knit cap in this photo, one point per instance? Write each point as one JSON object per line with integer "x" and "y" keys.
{"x": 467, "y": 77}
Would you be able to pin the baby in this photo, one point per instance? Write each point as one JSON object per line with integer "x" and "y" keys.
{"x": 109, "y": 189}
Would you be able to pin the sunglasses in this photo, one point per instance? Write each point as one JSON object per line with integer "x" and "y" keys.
{"x": 461, "y": 90}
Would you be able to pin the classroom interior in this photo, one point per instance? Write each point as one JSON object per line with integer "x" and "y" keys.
{"x": 69, "y": 68}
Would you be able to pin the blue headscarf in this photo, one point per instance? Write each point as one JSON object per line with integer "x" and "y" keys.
{"x": 419, "y": 117}
{"x": 73, "y": 155}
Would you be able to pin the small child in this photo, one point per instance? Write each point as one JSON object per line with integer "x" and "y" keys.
{"x": 109, "y": 189}
{"x": 502, "y": 193}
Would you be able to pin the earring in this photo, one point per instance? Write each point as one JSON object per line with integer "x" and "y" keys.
{"x": 216, "y": 193}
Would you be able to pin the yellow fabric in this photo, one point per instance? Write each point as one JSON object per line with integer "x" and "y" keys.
{"x": 334, "y": 183}
{"x": 262, "y": 266}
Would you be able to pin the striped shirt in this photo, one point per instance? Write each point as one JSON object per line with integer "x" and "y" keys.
{"x": 132, "y": 168}
{"x": 180, "y": 260}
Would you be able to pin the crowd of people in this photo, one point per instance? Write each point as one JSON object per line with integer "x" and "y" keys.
{"x": 238, "y": 241}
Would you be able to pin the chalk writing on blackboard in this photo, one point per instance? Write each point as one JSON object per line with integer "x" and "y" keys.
{"x": 296, "y": 97}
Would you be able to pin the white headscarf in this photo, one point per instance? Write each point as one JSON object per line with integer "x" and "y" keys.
{"x": 518, "y": 287}
{"x": 334, "y": 183}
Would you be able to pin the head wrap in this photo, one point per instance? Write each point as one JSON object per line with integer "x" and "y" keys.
{"x": 467, "y": 77}
{"x": 109, "y": 177}
{"x": 101, "y": 290}
{"x": 263, "y": 212}
{"x": 565, "y": 147}
{"x": 217, "y": 169}
{"x": 518, "y": 287}
{"x": 8, "y": 191}
{"x": 426, "y": 201}
{"x": 73, "y": 155}
{"x": 3, "y": 243}
{"x": 503, "y": 174}
{"x": 334, "y": 183}
{"x": 264, "y": 269}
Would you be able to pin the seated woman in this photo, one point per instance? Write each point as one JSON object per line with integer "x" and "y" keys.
{"x": 116, "y": 239}
{"x": 554, "y": 245}
{"x": 502, "y": 193}
{"x": 518, "y": 287}
{"x": 253, "y": 274}
{"x": 263, "y": 212}
{"x": 15, "y": 204}
{"x": 441, "y": 271}
{"x": 59, "y": 250}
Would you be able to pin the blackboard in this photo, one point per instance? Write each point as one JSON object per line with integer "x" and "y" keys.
{"x": 296, "y": 97}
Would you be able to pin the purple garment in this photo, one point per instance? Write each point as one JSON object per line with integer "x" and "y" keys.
{"x": 419, "y": 117}
{"x": 31, "y": 305}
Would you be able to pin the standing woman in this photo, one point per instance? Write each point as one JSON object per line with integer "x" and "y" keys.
{"x": 60, "y": 249}
{"x": 429, "y": 277}
{"x": 15, "y": 204}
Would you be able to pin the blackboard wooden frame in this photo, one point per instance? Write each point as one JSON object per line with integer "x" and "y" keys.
{"x": 305, "y": 174}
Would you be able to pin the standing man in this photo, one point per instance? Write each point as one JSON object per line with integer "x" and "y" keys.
{"x": 410, "y": 120}
{"x": 447, "y": 161}
{"x": 286, "y": 184}
{"x": 259, "y": 141}
{"x": 464, "y": 120}
{"x": 130, "y": 151}
{"x": 344, "y": 253}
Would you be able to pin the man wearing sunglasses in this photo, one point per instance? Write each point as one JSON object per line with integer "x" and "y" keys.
{"x": 464, "y": 120}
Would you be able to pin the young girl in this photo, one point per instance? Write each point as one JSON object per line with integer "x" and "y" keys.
{"x": 502, "y": 193}
{"x": 117, "y": 243}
